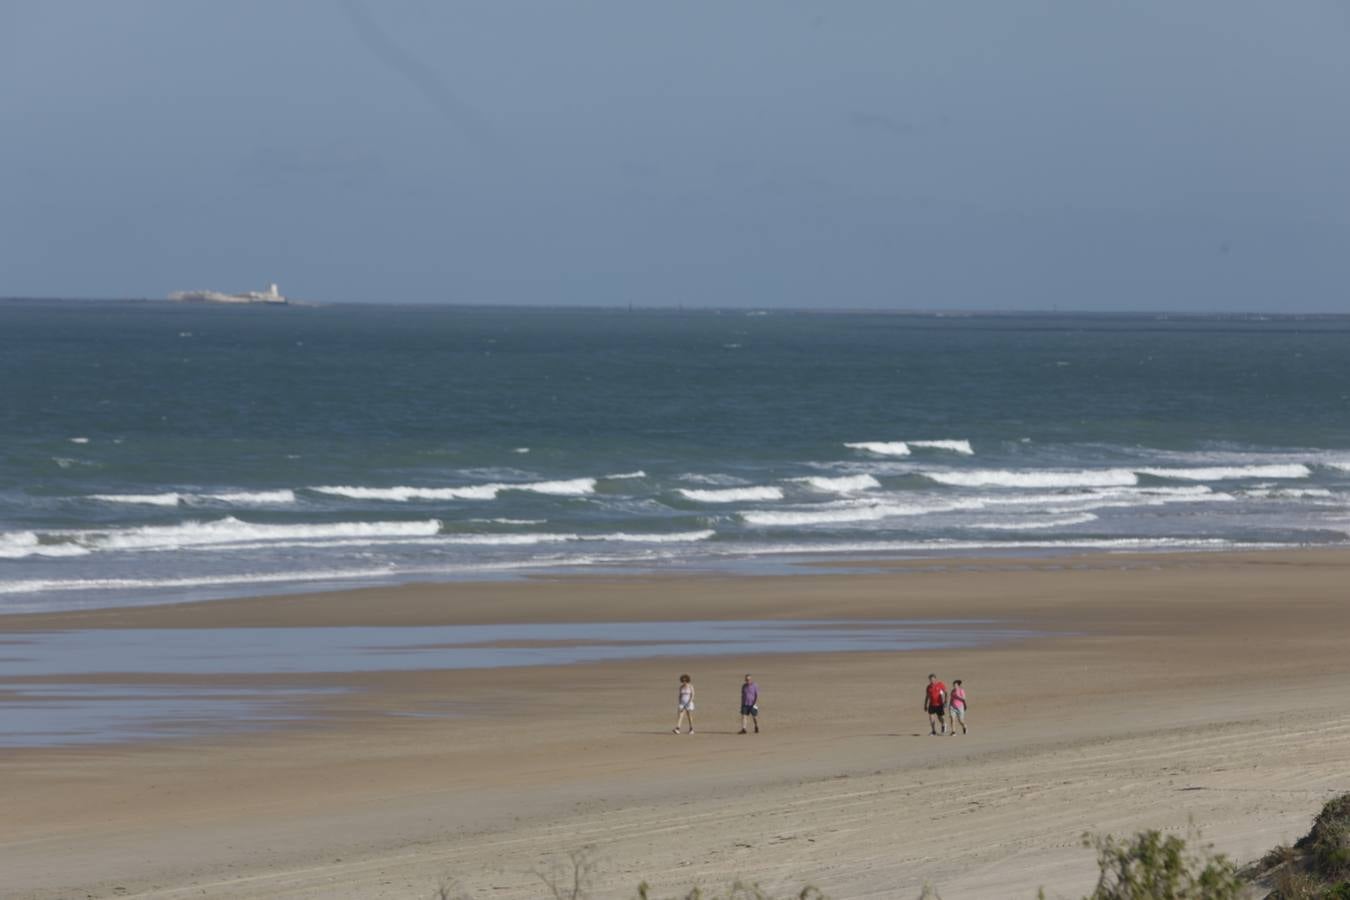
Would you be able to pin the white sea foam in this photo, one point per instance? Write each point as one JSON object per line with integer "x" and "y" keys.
{"x": 1141, "y": 495}
{"x": 845, "y": 484}
{"x": 569, "y": 488}
{"x": 732, "y": 495}
{"x": 79, "y": 440}
{"x": 258, "y": 498}
{"x": 170, "y": 498}
{"x": 625, "y": 475}
{"x": 830, "y": 514}
{"x": 1033, "y": 524}
{"x": 790, "y": 518}
{"x": 512, "y": 521}
{"x": 174, "y": 498}
{"x": 404, "y": 494}
{"x": 674, "y": 537}
{"x": 956, "y": 446}
{"x": 1290, "y": 493}
{"x": 520, "y": 450}
{"x": 881, "y": 448}
{"x": 620, "y": 537}
{"x": 468, "y": 539}
{"x": 940, "y": 546}
{"x": 231, "y": 531}
{"x": 44, "y": 585}
{"x": 1342, "y": 465}
{"x": 1134, "y": 501}
{"x": 22, "y": 544}
{"x": 234, "y": 536}
{"x": 1035, "y": 478}
{"x": 715, "y": 478}
{"x": 1220, "y": 473}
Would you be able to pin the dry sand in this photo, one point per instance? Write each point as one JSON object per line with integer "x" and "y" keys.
{"x": 1206, "y": 691}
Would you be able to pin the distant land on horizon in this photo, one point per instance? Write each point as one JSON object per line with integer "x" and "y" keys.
{"x": 1040, "y": 312}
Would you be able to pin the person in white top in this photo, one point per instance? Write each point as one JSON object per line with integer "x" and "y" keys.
{"x": 685, "y": 704}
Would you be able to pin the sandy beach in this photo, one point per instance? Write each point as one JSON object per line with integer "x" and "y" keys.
{"x": 1179, "y": 692}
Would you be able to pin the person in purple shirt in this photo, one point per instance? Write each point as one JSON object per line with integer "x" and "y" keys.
{"x": 749, "y": 704}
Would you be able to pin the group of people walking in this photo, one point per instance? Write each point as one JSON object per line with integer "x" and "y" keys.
{"x": 684, "y": 708}
{"x": 942, "y": 706}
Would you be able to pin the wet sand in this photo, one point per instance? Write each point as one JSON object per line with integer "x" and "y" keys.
{"x": 1164, "y": 691}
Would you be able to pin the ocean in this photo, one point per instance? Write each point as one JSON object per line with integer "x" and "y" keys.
{"x": 155, "y": 452}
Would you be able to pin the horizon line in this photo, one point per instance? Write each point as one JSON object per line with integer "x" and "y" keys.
{"x": 635, "y": 308}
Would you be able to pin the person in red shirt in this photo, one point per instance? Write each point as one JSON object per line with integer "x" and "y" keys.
{"x": 935, "y": 702}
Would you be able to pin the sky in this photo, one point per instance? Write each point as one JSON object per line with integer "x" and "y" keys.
{"x": 1161, "y": 155}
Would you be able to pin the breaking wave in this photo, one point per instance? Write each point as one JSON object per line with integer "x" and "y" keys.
{"x": 87, "y": 584}
{"x": 1033, "y": 524}
{"x": 1290, "y": 493}
{"x": 853, "y": 512}
{"x": 404, "y": 494}
{"x": 956, "y": 446}
{"x": 1220, "y": 473}
{"x": 259, "y": 498}
{"x": 881, "y": 448}
{"x": 167, "y": 499}
{"x": 226, "y": 531}
{"x": 618, "y": 537}
{"x": 1036, "y": 479}
{"x": 731, "y": 495}
{"x": 573, "y": 487}
{"x": 941, "y": 545}
{"x": 842, "y": 485}
{"x": 175, "y": 498}
{"x": 22, "y": 544}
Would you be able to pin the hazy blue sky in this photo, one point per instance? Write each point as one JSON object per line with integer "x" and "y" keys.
{"x": 1090, "y": 154}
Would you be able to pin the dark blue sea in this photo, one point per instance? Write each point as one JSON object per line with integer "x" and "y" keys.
{"x": 152, "y": 452}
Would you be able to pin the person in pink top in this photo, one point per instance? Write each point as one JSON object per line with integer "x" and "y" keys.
{"x": 958, "y": 707}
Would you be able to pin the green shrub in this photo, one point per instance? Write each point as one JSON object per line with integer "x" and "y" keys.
{"x": 1327, "y": 845}
{"x": 1150, "y": 866}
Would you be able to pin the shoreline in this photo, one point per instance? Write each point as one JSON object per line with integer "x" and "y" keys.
{"x": 350, "y": 606}
{"x": 1162, "y": 690}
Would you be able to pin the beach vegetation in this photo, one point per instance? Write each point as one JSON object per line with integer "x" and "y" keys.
{"x": 1154, "y": 866}
{"x": 1317, "y": 866}
{"x": 1149, "y": 865}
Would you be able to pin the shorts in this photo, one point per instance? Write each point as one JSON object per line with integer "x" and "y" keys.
{"x": 685, "y": 707}
{"x": 937, "y": 710}
{"x": 959, "y": 712}
{"x": 751, "y": 710}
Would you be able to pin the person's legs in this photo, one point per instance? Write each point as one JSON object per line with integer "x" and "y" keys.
{"x": 744, "y": 722}
{"x": 756, "y": 719}
{"x": 932, "y": 722}
{"x": 690, "y": 714}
